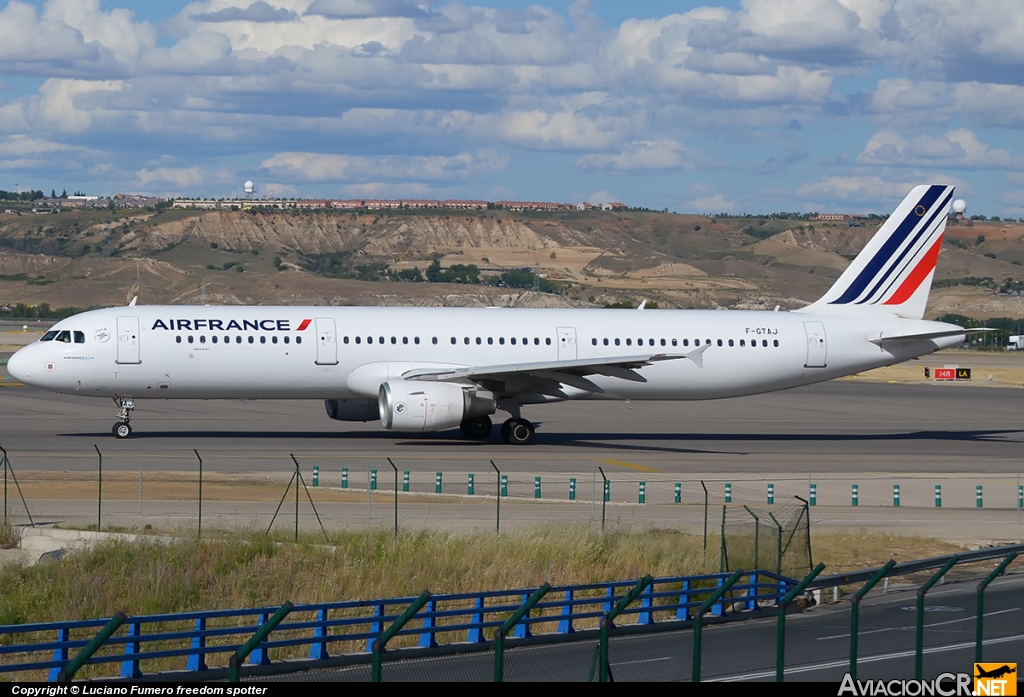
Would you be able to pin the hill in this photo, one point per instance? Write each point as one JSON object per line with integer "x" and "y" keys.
{"x": 104, "y": 257}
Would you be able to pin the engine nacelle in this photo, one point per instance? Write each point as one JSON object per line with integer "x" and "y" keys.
{"x": 428, "y": 406}
{"x": 352, "y": 409}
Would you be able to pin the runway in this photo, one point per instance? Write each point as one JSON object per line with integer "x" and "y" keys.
{"x": 840, "y": 427}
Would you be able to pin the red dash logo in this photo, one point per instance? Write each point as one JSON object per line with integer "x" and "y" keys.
{"x": 303, "y": 324}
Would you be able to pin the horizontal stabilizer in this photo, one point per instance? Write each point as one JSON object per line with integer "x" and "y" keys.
{"x": 909, "y": 338}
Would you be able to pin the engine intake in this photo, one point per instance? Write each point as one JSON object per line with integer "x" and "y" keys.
{"x": 421, "y": 407}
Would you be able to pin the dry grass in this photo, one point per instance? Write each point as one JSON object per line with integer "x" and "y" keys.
{"x": 10, "y": 536}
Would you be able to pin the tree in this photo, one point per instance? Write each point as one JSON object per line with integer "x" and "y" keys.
{"x": 53, "y": 193}
{"x": 64, "y": 193}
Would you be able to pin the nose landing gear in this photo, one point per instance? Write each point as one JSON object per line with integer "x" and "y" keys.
{"x": 122, "y": 429}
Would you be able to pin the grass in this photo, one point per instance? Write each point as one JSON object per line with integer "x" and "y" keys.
{"x": 10, "y": 536}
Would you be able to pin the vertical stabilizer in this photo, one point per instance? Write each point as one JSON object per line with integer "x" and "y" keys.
{"x": 893, "y": 273}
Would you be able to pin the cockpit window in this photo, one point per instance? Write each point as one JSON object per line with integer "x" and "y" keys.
{"x": 49, "y": 336}
{"x": 79, "y": 337}
{"x": 64, "y": 336}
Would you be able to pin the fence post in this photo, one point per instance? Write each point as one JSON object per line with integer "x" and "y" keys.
{"x": 728, "y": 492}
{"x": 318, "y": 650}
{"x": 437, "y": 483}
{"x": 470, "y": 484}
{"x": 608, "y": 620}
{"x": 99, "y": 491}
{"x": 130, "y": 666}
{"x": 778, "y": 565}
{"x": 373, "y": 480}
{"x": 316, "y": 476}
{"x": 502, "y": 490}
{"x": 854, "y": 495}
{"x": 980, "y": 612}
{"x": 679, "y": 492}
{"x": 344, "y": 477}
{"x": 977, "y": 491}
{"x": 405, "y": 480}
{"x": 572, "y": 488}
{"x": 393, "y": 467}
{"x": 780, "y": 640}
{"x": 938, "y": 496}
{"x": 67, "y": 673}
{"x": 199, "y": 533}
{"x": 197, "y": 660}
{"x": 855, "y": 612}
{"x": 536, "y": 487}
{"x": 699, "y": 619}
{"x": 814, "y": 494}
{"x": 757, "y": 536}
{"x": 705, "y": 521}
{"x": 896, "y": 495}
{"x": 239, "y": 656}
{"x": 508, "y": 625}
{"x": 771, "y": 493}
{"x": 604, "y": 499}
{"x": 919, "y": 652}
{"x": 643, "y": 492}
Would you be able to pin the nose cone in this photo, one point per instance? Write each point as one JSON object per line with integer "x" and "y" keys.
{"x": 18, "y": 366}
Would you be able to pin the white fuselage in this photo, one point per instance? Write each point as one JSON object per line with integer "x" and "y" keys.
{"x": 171, "y": 352}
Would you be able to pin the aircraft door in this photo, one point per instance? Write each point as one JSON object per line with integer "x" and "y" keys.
{"x": 326, "y": 341}
{"x": 816, "y": 346}
{"x": 128, "y": 341}
{"x": 566, "y": 343}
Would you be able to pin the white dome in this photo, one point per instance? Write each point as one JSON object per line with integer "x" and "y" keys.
{"x": 249, "y": 187}
{"x": 959, "y": 206}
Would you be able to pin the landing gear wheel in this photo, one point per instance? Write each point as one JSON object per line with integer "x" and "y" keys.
{"x": 520, "y": 432}
{"x": 125, "y": 405}
{"x": 122, "y": 430}
{"x": 477, "y": 429}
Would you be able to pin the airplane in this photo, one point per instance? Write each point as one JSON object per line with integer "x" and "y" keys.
{"x": 433, "y": 369}
{"x": 994, "y": 673}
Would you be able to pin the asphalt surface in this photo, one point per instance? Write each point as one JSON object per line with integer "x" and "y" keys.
{"x": 817, "y": 643}
{"x": 837, "y": 427}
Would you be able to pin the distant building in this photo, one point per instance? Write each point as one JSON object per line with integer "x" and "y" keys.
{"x": 841, "y": 217}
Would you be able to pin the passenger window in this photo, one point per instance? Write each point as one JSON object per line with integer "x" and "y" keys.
{"x": 287, "y": 340}
{"x": 79, "y": 337}
{"x": 764, "y": 343}
{"x": 263, "y": 339}
{"x": 344, "y": 340}
{"x": 394, "y": 340}
{"x": 525, "y": 341}
{"x": 202, "y": 339}
{"x": 730, "y": 342}
{"x": 405, "y": 340}
{"x": 178, "y": 339}
{"x": 593, "y": 342}
{"x": 490, "y": 341}
{"x": 616, "y": 342}
{"x": 548, "y": 341}
{"x": 465, "y": 340}
{"x": 382, "y": 340}
{"x": 629, "y": 342}
{"x": 359, "y": 339}
{"x": 776, "y": 342}
{"x": 686, "y": 342}
{"x": 191, "y": 340}
{"x": 674, "y": 343}
{"x": 501, "y": 340}
{"x": 433, "y": 340}
{"x": 213, "y": 338}
{"x": 478, "y": 342}
{"x": 513, "y": 340}
{"x": 369, "y": 339}
{"x": 707, "y": 341}
{"x": 238, "y": 339}
{"x": 298, "y": 340}
{"x": 48, "y": 336}
{"x": 719, "y": 342}
{"x": 273, "y": 339}
{"x": 606, "y": 342}
{"x": 743, "y": 342}
{"x": 453, "y": 341}
{"x": 251, "y": 340}
{"x": 227, "y": 340}
{"x": 662, "y": 342}
{"x": 650, "y": 342}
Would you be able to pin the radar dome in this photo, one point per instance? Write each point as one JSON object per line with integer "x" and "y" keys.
{"x": 249, "y": 187}
{"x": 959, "y": 206}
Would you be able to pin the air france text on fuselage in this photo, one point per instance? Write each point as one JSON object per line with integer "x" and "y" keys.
{"x": 256, "y": 325}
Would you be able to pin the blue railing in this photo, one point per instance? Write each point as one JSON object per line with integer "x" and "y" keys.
{"x": 458, "y": 617}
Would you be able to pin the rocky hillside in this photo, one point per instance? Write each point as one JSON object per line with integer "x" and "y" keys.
{"x": 87, "y": 258}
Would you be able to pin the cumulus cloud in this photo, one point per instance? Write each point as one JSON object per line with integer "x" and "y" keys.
{"x": 319, "y": 167}
{"x": 959, "y": 148}
{"x": 256, "y": 12}
{"x": 347, "y": 9}
{"x": 643, "y": 157}
{"x": 713, "y": 203}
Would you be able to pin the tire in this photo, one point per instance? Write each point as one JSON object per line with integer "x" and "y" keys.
{"x": 122, "y": 430}
{"x": 506, "y": 430}
{"x": 477, "y": 429}
{"x": 521, "y": 432}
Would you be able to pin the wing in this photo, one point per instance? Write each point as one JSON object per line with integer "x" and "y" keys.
{"x": 547, "y": 376}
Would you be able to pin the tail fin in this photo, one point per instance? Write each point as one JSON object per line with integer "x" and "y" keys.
{"x": 893, "y": 273}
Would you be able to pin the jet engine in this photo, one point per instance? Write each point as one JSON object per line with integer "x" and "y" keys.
{"x": 352, "y": 409}
{"x": 429, "y": 406}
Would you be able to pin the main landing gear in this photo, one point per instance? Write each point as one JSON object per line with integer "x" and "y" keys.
{"x": 122, "y": 429}
{"x": 517, "y": 432}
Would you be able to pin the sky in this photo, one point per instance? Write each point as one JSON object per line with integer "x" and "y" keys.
{"x": 737, "y": 106}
